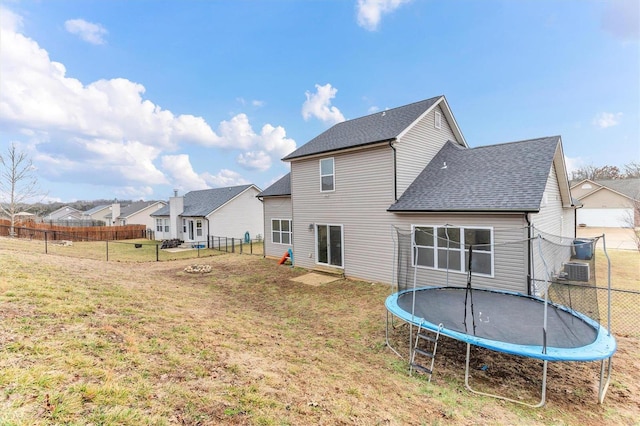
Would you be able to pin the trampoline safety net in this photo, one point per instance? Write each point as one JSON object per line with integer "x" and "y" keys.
{"x": 560, "y": 268}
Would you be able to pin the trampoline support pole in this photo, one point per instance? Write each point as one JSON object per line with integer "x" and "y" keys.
{"x": 543, "y": 391}
{"x": 387, "y": 336}
{"x": 602, "y": 389}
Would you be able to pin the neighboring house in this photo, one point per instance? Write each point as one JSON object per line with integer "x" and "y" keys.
{"x": 63, "y": 213}
{"x": 608, "y": 203}
{"x": 410, "y": 167}
{"x": 233, "y": 212}
{"x": 98, "y": 213}
{"x": 136, "y": 213}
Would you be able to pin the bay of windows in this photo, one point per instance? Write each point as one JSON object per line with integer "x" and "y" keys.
{"x": 447, "y": 248}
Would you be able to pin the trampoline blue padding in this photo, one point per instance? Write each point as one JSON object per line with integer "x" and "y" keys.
{"x": 506, "y": 322}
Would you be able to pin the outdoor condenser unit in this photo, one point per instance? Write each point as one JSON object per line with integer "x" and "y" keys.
{"x": 577, "y": 271}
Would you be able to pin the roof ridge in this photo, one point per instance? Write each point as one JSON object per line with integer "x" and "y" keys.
{"x": 515, "y": 142}
{"x": 394, "y": 108}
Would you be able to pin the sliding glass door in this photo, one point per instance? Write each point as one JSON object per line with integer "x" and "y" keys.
{"x": 329, "y": 245}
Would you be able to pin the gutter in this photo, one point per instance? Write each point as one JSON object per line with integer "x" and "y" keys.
{"x": 530, "y": 254}
{"x": 395, "y": 169}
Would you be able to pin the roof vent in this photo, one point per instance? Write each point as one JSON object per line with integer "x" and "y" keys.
{"x": 384, "y": 113}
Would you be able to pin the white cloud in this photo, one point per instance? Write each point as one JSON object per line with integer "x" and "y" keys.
{"x": 226, "y": 178}
{"x": 87, "y": 31}
{"x": 10, "y": 20}
{"x": 105, "y": 132}
{"x": 370, "y": 11}
{"x": 255, "y": 160}
{"x": 318, "y": 105}
{"x": 182, "y": 174}
{"x": 373, "y": 109}
{"x": 621, "y": 18}
{"x": 607, "y": 119}
{"x": 258, "y": 104}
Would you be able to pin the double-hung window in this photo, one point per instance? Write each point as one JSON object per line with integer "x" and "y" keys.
{"x": 447, "y": 248}
{"x": 327, "y": 175}
{"x": 166, "y": 225}
{"x": 199, "y": 228}
{"x": 281, "y": 231}
{"x": 158, "y": 225}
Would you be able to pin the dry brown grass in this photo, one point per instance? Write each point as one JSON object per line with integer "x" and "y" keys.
{"x": 92, "y": 342}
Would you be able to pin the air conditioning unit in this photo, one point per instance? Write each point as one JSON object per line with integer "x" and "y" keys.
{"x": 577, "y": 271}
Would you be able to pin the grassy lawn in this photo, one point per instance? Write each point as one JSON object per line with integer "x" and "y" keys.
{"x": 85, "y": 341}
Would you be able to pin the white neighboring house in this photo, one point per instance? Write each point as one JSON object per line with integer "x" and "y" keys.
{"x": 62, "y": 214}
{"x": 136, "y": 213}
{"x": 232, "y": 212}
{"x": 98, "y": 213}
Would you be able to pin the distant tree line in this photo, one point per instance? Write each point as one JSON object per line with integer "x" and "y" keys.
{"x": 591, "y": 172}
{"x": 43, "y": 209}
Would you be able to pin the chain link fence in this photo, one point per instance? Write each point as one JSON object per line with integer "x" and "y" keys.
{"x": 135, "y": 250}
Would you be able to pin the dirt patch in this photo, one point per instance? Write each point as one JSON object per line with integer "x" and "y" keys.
{"x": 315, "y": 279}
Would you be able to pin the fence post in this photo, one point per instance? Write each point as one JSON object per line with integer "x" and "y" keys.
{"x": 241, "y": 246}
{"x": 157, "y": 253}
{"x": 233, "y": 245}
{"x": 46, "y": 248}
{"x": 251, "y": 246}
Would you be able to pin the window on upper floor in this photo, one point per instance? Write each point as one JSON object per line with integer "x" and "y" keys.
{"x": 437, "y": 120}
{"x": 327, "y": 175}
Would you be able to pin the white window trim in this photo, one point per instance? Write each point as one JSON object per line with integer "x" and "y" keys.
{"x": 333, "y": 174}
{"x": 437, "y": 120}
{"x": 290, "y": 232}
{"x": 159, "y": 225}
{"x": 462, "y": 250}
{"x": 315, "y": 231}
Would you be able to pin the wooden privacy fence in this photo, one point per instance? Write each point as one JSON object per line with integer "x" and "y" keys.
{"x": 44, "y": 231}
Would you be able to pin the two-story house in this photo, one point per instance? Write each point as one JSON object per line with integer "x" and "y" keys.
{"x": 411, "y": 168}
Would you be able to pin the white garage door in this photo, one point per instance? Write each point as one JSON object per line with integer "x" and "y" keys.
{"x": 614, "y": 218}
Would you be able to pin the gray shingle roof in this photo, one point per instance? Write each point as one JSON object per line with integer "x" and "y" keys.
{"x": 629, "y": 187}
{"x": 279, "y": 188}
{"x": 96, "y": 209}
{"x": 504, "y": 177}
{"x": 378, "y": 127}
{"x": 135, "y": 207}
{"x": 201, "y": 203}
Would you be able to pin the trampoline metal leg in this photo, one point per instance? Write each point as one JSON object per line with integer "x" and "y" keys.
{"x": 544, "y": 384}
{"x": 387, "y": 337}
{"x": 602, "y": 388}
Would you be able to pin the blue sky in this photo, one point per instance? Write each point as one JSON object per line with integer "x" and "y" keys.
{"x": 132, "y": 99}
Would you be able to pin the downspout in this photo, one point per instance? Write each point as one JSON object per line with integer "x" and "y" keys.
{"x": 395, "y": 177}
{"x": 529, "y": 254}
{"x": 208, "y": 234}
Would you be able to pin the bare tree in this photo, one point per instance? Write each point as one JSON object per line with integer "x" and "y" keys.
{"x": 597, "y": 173}
{"x": 632, "y": 170}
{"x": 18, "y": 183}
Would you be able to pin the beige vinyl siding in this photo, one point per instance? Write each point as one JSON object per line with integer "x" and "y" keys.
{"x": 510, "y": 250}
{"x": 143, "y": 217}
{"x": 606, "y": 198}
{"x": 241, "y": 214}
{"x": 583, "y": 189}
{"x": 275, "y": 208}
{"x": 363, "y": 192}
{"x": 557, "y": 225}
{"x": 364, "y": 188}
{"x": 418, "y": 146}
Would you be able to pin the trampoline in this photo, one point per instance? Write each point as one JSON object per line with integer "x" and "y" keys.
{"x": 505, "y": 321}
